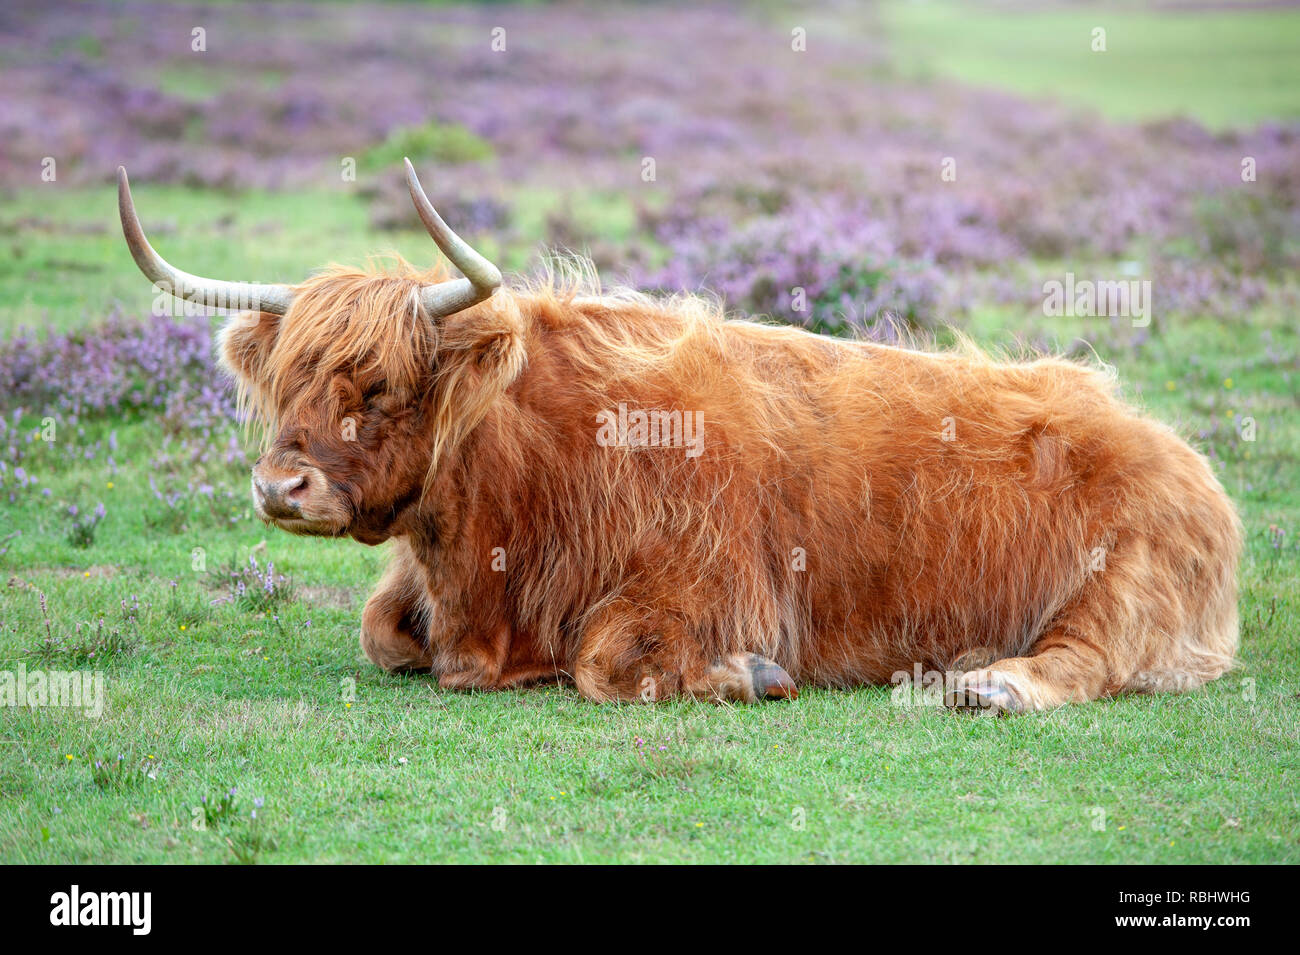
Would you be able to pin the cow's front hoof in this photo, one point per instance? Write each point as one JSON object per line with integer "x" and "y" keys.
{"x": 769, "y": 680}
{"x": 466, "y": 680}
{"x": 985, "y": 691}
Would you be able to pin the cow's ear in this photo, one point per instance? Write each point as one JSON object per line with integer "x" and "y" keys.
{"x": 486, "y": 341}
{"x": 480, "y": 355}
{"x": 245, "y": 342}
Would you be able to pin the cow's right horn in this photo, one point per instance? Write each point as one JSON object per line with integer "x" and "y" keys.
{"x": 213, "y": 293}
{"x": 481, "y": 277}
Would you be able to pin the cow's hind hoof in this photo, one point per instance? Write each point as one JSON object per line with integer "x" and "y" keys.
{"x": 984, "y": 691}
{"x": 769, "y": 680}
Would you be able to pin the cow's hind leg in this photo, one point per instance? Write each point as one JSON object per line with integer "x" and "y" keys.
{"x": 1062, "y": 667}
{"x": 1154, "y": 619}
{"x": 628, "y": 654}
{"x": 1086, "y": 651}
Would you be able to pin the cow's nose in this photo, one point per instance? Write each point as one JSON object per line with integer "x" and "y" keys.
{"x": 279, "y": 496}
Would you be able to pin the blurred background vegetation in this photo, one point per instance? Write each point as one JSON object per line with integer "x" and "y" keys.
{"x": 774, "y": 168}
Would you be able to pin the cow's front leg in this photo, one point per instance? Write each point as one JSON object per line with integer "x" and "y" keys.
{"x": 626, "y": 654}
{"x": 394, "y": 624}
{"x": 476, "y": 660}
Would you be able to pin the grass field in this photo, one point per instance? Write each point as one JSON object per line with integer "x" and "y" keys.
{"x": 266, "y": 693}
{"x": 1153, "y": 65}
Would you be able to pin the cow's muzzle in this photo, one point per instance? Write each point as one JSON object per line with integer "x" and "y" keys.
{"x": 278, "y": 495}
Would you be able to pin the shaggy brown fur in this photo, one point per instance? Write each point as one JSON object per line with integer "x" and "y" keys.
{"x": 853, "y": 510}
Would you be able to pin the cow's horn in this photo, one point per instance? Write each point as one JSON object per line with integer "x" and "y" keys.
{"x": 211, "y": 292}
{"x": 481, "y": 277}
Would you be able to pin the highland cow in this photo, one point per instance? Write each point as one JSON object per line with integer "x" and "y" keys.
{"x": 844, "y": 510}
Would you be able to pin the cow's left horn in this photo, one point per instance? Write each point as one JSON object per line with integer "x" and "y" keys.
{"x": 481, "y": 277}
{"x": 211, "y": 292}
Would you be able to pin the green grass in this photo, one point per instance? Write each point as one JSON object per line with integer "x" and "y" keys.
{"x": 202, "y": 698}
{"x": 1226, "y": 68}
